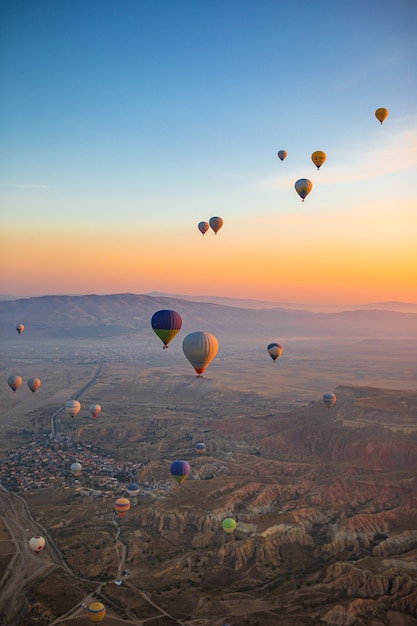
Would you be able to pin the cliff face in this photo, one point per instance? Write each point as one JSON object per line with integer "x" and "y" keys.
{"x": 325, "y": 508}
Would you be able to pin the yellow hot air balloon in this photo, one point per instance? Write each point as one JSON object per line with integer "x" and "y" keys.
{"x": 200, "y": 348}
{"x": 318, "y": 157}
{"x": 303, "y": 186}
{"x": 381, "y": 114}
{"x": 96, "y": 611}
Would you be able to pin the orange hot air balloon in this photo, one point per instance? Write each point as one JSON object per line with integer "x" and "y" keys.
{"x": 121, "y": 506}
{"x": 14, "y": 382}
{"x": 282, "y": 154}
{"x": 381, "y": 114}
{"x": 216, "y": 223}
{"x": 318, "y": 157}
{"x": 20, "y": 328}
{"x": 34, "y": 384}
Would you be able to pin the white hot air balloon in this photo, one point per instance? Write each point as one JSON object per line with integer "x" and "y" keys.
{"x": 200, "y": 348}
{"x": 72, "y": 407}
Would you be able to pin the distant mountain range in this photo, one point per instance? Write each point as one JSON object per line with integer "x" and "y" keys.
{"x": 248, "y": 303}
{"x": 97, "y": 316}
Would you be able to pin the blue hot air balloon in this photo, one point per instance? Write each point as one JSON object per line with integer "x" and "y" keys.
{"x": 180, "y": 470}
{"x": 166, "y": 324}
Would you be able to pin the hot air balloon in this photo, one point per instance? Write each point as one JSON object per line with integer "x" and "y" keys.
{"x": 203, "y": 227}
{"x": 121, "y": 506}
{"x": 166, "y": 324}
{"x": 95, "y": 410}
{"x": 274, "y": 351}
{"x": 200, "y": 447}
{"x": 381, "y": 114}
{"x": 34, "y": 384}
{"x": 180, "y": 470}
{"x": 200, "y": 348}
{"x": 303, "y": 186}
{"x": 318, "y": 157}
{"x": 96, "y": 611}
{"x": 133, "y": 489}
{"x": 72, "y": 407}
{"x": 329, "y": 399}
{"x": 36, "y": 544}
{"x": 228, "y": 525}
{"x": 20, "y": 328}
{"x": 282, "y": 154}
{"x": 14, "y": 382}
{"x": 76, "y": 468}
{"x": 216, "y": 223}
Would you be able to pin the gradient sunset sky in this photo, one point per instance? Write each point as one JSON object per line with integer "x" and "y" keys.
{"x": 125, "y": 123}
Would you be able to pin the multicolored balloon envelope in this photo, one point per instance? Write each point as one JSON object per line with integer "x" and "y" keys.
{"x": 282, "y": 154}
{"x": 381, "y": 114}
{"x": 20, "y": 328}
{"x": 180, "y": 470}
{"x": 274, "y": 350}
{"x": 121, "y": 506}
{"x": 329, "y": 399}
{"x": 200, "y": 447}
{"x": 229, "y": 525}
{"x": 303, "y": 186}
{"x": 96, "y": 611}
{"x": 166, "y": 324}
{"x": 14, "y": 382}
{"x": 36, "y": 544}
{"x": 34, "y": 384}
{"x": 200, "y": 348}
{"x": 132, "y": 489}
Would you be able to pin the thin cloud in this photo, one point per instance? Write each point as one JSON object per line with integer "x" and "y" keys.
{"x": 399, "y": 155}
{"x": 22, "y": 186}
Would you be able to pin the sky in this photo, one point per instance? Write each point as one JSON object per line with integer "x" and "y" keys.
{"x": 125, "y": 124}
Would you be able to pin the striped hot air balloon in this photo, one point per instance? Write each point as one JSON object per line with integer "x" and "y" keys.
{"x": 200, "y": 348}
{"x": 121, "y": 506}
{"x": 96, "y": 611}
{"x": 303, "y": 186}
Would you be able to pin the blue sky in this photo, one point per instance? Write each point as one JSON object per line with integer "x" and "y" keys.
{"x": 155, "y": 115}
